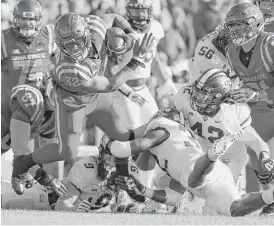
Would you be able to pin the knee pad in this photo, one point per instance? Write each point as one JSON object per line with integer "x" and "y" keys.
{"x": 264, "y": 178}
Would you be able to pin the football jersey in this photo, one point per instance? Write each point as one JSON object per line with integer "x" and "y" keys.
{"x": 207, "y": 55}
{"x": 28, "y": 100}
{"x": 259, "y": 74}
{"x": 229, "y": 119}
{"x": 84, "y": 176}
{"x": 22, "y": 63}
{"x": 178, "y": 153}
{"x": 269, "y": 27}
{"x": 157, "y": 30}
{"x": 70, "y": 76}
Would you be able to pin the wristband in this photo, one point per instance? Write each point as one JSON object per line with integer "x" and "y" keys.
{"x": 120, "y": 149}
{"x": 133, "y": 64}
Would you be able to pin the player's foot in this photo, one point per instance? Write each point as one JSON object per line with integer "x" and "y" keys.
{"x": 268, "y": 210}
{"x": 19, "y": 175}
{"x": 51, "y": 183}
{"x": 220, "y": 146}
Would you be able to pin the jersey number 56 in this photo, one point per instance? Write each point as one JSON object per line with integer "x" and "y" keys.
{"x": 208, "y": 53}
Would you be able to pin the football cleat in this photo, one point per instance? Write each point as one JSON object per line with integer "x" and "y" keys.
{"x": 268, "y": 210}
{"x": 19, "y": 175}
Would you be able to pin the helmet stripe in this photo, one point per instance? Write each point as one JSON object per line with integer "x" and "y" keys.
{"x": 208, "y": 74}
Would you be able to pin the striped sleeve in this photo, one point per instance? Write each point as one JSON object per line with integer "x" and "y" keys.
{"x": 30, "y": 100}
{"x": 4, "y": 52}
{"x": 267, "y": 50}
{"x": 96, "y": 24}
{"x": 244, "y": 115}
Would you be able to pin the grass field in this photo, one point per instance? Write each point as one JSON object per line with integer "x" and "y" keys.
{"x": 21, "y": 217}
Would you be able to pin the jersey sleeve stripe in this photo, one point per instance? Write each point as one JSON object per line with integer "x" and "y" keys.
{"x": 98, "y": 30}
{"x": 246, "y": 122}
{"x": 72, "y": 73}
{"x": 264, "y": 52}
{"x": 268, "y": 55}
{"x": 4, "y": 52}
{"x": 73, "y": 66}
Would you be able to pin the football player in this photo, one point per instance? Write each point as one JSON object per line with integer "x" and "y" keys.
{"x": 208, "y": 114}
{"x": 267, "y": 8}
{"x": 181, "y": 157}
{"x": 27, "y": 48}
{"x": 140, "y": 16}
{"x": 77, "y": 84}
{"x": 90, "y": 186}
{"x": 251, "y": 56}
{"x": 29, "y": 113}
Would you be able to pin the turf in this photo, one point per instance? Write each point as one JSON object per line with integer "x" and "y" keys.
{"x": 21, "y": 217}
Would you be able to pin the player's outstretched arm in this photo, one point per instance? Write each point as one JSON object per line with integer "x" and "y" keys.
{"x": 100, "y": 84}
{"x": 167, "y": 196}
{"x": 125, "y": 149}
{"x": 66, "y": 203}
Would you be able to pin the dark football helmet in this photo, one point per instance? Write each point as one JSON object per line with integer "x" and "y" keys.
{"x": 209, "y": 91}
{"x": 71, "y": 35}
{"x": 243, "y": 23}
{"x": 27, "y": 16}
{"x": 139, "y": 13}
{"x": 267, "y": 8}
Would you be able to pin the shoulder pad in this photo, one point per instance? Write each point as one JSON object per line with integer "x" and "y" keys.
{"x": 83, "y": 174}
{"x": 157, "y": 29}
{"x": 30, "y": 100}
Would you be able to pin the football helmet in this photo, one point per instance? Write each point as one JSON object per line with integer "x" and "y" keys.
{"x": 139, "y": 13}
{"x": 27, "y": 16}
{"x": 209, "y": 91}
{"x": 71, "y": 35}
{"x": 267, "y": 8}
{"x": 106, "y": 164}
{"x": 243, "y": 23}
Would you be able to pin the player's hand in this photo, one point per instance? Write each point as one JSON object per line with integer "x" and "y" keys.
{"x": 138, "y": 99}
{"x": 58, "y": 187}
{"x": 84, "y": 206}
{"x": 243, "y": 95}
{"x": 141, "y": 50}
{"x": 267, "y": 162}
{"x": 129, "y": 41}
{"x": 130, "y": 184}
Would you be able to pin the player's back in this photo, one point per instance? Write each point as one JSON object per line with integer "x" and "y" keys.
{"x": 180, "y": 150}
{"x": 84, "y": 175}
{"x": 23, "y": 63}
{"x": 207, "y": 55}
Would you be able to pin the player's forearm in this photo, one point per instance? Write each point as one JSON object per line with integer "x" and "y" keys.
{"x": 125, "y": 89}
{"x": 166, "y": 197}
{"x": 65, "y": 205}
{"x": 115, "y": 20}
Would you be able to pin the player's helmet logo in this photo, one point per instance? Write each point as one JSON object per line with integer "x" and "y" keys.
{"x": 71, "y": 35}
{"x": 27, "y": 16}
{"x": 209, "y": 91}
{"x": 267, "y": 8}
{"x": 243, "y": 23}
{"x": 139, "y": 13}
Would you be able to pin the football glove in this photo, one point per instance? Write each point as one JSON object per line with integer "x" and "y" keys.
{"x": 137, "y": 99}
{"x": 141, "y": 50}
{"x": 266, "y": 162}
{"x": 84, "y": 206}
{"x": 243, "y": 95}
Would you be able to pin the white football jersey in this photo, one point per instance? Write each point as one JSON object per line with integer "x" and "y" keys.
{"x": 157, "y": 30}
{"x": 83, "y": 175}
{"x": 179, "y": 152}
{"x": 207, "y": 56}
{"x": 230, "y": 118}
